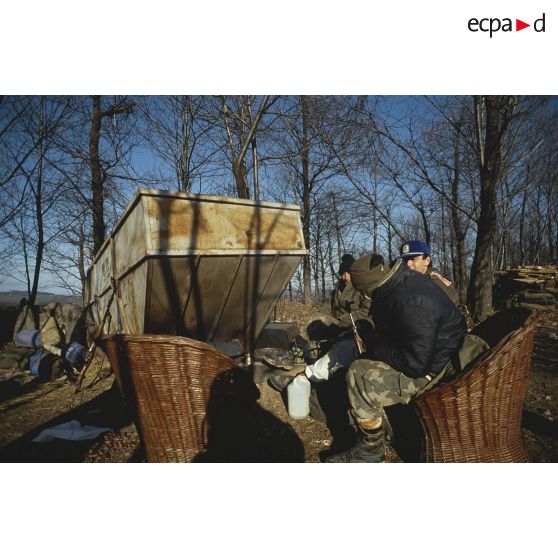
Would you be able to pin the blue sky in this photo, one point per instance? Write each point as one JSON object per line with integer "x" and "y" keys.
{"x": 144, "y": 160}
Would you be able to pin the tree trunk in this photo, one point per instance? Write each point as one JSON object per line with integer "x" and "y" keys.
{"x": 40, "y": 231}
{"x": 442, "y": 242}
{"x": 374, "y": 234}
{"x": 389, "y": 242}
{"x": 323, "y": 274}
{"x": 39, "y": 211}
{"x": 306, "y": 268}
{"x": 331, "y": 263}
{"x": 306, "y": 208}
{"x": 96, "y": 176}
{"x": 479, "y": 295}
{"x": 425, "y": 224}
{"x": 255, "y": 167}
{"x": 501, "y": 256}
{"x": 460, "y": 269}
{"x": 185, "y": 180}
{"x": 239, "y": 172}
{"x": 239, "y": 161}
{"x": 81, "y": 259}
{"x": 541, "y": 227}
{"x": 338, "y": 235}
{"x": 549, "y": 233}
{"x": 522, "y": 229}
{"x": 318, "y": 255}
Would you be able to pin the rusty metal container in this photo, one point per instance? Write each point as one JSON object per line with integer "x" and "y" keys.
{"x": 205, "y": 267}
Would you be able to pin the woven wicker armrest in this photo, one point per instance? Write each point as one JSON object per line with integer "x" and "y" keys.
{"x": 476, "y": 417}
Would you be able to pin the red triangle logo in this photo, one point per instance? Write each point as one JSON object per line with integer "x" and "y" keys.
{"x": 519, "y": 25}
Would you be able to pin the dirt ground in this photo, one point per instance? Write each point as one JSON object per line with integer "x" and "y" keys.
{"x": 27, "y": 407}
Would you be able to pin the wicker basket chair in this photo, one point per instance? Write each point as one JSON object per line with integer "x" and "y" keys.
{"x": 476, "y": 417}
{"x": 166, "y": 382}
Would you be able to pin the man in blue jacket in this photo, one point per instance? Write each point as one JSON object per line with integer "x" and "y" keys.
{"x": 420, "y": 330}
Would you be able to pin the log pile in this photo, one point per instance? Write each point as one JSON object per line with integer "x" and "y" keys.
{"x": 530, "y": 286}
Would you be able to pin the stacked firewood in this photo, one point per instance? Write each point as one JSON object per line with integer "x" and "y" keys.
{"x": 531, "y": 286}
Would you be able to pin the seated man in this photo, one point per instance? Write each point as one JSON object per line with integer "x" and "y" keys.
{"x": 416, "y": 254}
{"x": 421, "y": 330}
{"x": 345, "y": 299}
{"x": 345, "y": 350}
{"x": 334, "y": 322}
{"x": 341, "y": 349}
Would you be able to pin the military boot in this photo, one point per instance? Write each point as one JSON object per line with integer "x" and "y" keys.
{"x": 370, "y": 448}
{"x": 281, "y": 380}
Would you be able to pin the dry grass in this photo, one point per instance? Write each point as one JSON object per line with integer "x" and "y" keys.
{"x": 295, "y": 312}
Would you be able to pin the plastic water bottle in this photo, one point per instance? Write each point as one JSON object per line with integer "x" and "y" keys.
{"x": 298, "y": 397}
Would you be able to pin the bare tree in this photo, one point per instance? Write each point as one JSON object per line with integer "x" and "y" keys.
{"x": 176, "y": 129}
{"x": 475, "y": 179}
{"x": 241, "y": 132}
{"x": 447, "y": 150}
{"x": 493, "y": 116}
{"x": 32, "y": 227}
{"x": 98, "y": 173}
{"x": 309, "y": 162}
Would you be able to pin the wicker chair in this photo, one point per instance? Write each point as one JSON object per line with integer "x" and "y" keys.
{"x": 476, "y": 417}
{"x": 166, "y": 382}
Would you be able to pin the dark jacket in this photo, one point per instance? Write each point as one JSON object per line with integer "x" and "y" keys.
{"x": 421, "y": 324}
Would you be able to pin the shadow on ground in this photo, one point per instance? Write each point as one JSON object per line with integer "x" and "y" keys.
{"x": 105, "y": 410}
{"x": 329, "y": 403}
{"x": 539, "y": 425}
{"x": 241, "y": 431}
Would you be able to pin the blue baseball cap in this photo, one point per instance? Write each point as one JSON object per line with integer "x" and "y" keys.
{"x": 413, "y": 248}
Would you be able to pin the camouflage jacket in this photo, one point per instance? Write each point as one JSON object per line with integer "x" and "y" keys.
{"x": 344, "y": 299}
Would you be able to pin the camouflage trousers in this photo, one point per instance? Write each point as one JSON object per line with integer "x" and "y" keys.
{"x": 372, "y": 385}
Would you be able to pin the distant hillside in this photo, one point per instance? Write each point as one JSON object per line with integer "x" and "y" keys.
{"x": 9, "y": 299}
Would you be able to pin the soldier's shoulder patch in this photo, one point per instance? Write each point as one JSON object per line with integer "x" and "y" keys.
{"x": 439, "y": 276}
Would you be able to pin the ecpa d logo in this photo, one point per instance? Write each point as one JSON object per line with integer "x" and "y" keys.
{"x": 494, "y": 24}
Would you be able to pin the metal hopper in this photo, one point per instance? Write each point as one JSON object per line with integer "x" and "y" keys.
{"x": 205, "y": 267}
